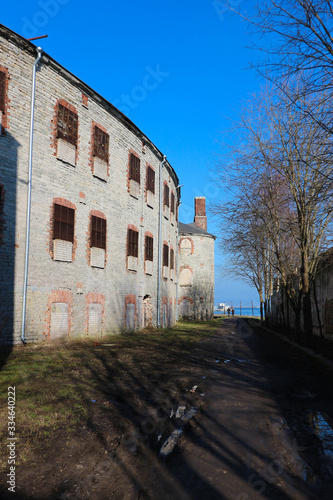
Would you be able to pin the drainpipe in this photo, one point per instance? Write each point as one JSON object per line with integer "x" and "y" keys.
{"x": 27, "y": 238}
{"x": 160, "y": 247}
{"x": 177, "y": 263}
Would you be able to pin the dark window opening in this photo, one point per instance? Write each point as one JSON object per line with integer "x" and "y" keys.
{"x": 149, "y": 248}
{"x": 165, "y": 255}
{"x": 166, "y": 195}
{"x": 172, "y": 259}
{"x": 98, "y": 232}
{"x": 63, "y": 225}
{"x": 67, "y": 125}
{"x": 132, "y": 243}
{"x": 151, "y": 180}
{"x": 134, "y": 168}
{"x": 101, "y": 144}
{"x": 172, "y": 203}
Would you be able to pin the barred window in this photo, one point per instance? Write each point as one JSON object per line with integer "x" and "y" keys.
{"x": 165, "y": 255}
{"x": 166, "y": 195}
{"x": 63, "y": 224}
{"x": 151, "y": 180}
{"x": 101, "y": 144}
{"x": 67, "y": 125}
{"x": 132, "y": 243}
{"x": 149, "y": 250}
{"x": 172, "y": 258}
{"x": 172, "y": 203}
{"x": 2, "y": 91}
{"x": 98, "y": 232}
{"x": 134, "y": 168}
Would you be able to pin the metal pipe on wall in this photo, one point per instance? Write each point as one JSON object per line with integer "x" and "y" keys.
{"x": 159, "y": 274}
{"x": 27, "y": 239}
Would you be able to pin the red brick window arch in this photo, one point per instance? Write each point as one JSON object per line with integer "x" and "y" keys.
{"x": 3, "y": 99}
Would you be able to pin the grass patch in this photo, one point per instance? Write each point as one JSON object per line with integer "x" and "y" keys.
{"x": 63, "y": 387}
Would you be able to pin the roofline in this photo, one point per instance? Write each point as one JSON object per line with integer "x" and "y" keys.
{"x": 203, "y": 233}
{"x": 30, "y": 48}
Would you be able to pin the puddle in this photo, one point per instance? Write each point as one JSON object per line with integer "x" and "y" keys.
{"x": 323, "y": 431}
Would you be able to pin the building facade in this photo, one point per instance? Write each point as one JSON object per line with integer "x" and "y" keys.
{"x": 104, "y": 201}
{"x": 196, "y": 267}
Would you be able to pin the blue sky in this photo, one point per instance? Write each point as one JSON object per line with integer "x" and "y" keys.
{"x": 176, "y": 68}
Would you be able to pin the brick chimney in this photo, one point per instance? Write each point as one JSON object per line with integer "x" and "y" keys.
{"x": 200, "y": 218}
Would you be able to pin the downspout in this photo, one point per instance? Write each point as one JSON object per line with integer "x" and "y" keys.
{"x": 27, "y": 238}
{"x": 177, "y": 263}
{"x": 159, "y": 274}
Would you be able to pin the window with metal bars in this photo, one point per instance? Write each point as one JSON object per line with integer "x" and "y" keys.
{"x": 166, "y": 195}
{"x": 151, "y": 180}
{"x": 172, "y": 203}
{"x": 134, "y": 168}
{"x": 149, "y": 248}
{"x": 2, "y": 92}
{"x": 172, "y": 258}
{"x": 63, "y": 223}
{"x": 101, "y": 144}
{"x": 132, "y": 243}
{"x": 98, "y": 232}
{"x": 165, "y": 255}
{"x": 67, "y": 125}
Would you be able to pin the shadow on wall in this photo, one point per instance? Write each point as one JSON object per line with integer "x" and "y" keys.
{"x": 196, "y": 303}
{"x": 8, "y": 201}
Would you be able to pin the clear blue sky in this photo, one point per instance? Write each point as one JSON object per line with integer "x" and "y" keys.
{"x": 176, "y": 68}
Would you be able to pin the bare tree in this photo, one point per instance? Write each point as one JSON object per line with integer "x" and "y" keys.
{"x": 296, "y": 39}
{"x": 288, "y": 163}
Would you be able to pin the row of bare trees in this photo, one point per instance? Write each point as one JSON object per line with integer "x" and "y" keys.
{"x": 277, "y": 172}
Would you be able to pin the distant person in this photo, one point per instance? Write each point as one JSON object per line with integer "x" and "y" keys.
{"x": 233, "y": 311}
{"x": 228, "y": 311}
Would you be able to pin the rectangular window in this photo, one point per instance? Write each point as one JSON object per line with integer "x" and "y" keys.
{"x": 63, "y": 225}
{"x": 166, "y": 195}
{"x": 98, "y": 232}
{"x": 172, "y": 259}
{"x": 165, "y": 255}
{"x": 101, "y": 144}
{"x": 134, "y": 168}
{"x": 151, "y": 180}
{"x": 172, "y": 203}
{"x": 67, "y": 125}
{"x": 149, "y": 248}
{"x": 2, "y": 92}
{"x": 132, "y": 243}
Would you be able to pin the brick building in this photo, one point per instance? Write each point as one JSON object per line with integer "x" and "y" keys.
{"x": 196, "y": 266}
{"x": 104, "y": 209}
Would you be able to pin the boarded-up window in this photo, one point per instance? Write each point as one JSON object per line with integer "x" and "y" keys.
{"x": 165, "y": 255}
{"x": 151, "y": 180}
{"x": 63, "y": 224}
{"x": 67, "y": 125}
{"x": 134, "y": 168}
{"x": 98, "y": 232}
{"x": 149, "y": 248}
{"x": 172, "y": 259}
{"x": 2, "y": 91}
{"x": 59, "y": 320}
{"x": 130, "y": 317}
{"x": 101, "y": 144}
{"x": 166, "y": 195}
{"x": 172, "y": 203}
{"x": 132, "y": 243}
{"x": 95, "y": 319}
{"x": 185, "y": 247}
{"x": 185, "y": 278}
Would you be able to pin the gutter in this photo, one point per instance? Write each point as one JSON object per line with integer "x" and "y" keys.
{"x": 27, "y": 239}
{"x": 159, "y": 274}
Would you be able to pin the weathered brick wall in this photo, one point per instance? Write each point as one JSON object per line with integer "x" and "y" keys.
{"x": 198, "y": 263}
{"x": 52, "y": 179}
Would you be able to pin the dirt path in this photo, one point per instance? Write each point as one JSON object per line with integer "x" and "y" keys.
{"x": 250, "y": 441}
{"x": 260, "y": 403}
